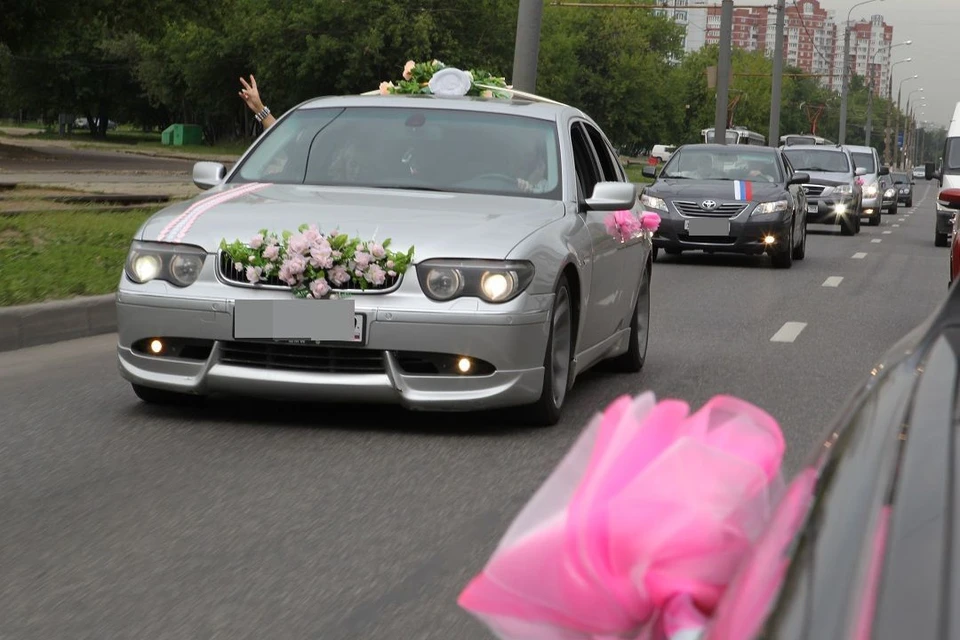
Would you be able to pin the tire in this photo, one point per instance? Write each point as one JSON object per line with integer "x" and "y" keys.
{"x": 849, "y": 226}
{"x": 151, "y": 395}
{"x": 633, "y": 360}
{"x": 894, "y": 209}
{"x": 858, "y": 222}
{"x": 783, "y": 259}
{"x": 801, "y": 249}
{"x": 556, "y": 361}
{"x": 940, "y": 240}
{"x": 673, "y": 252}
{"x": 655, "y": 254}
{"x": 909, "y": 203}
{"x": 875, "y": 220}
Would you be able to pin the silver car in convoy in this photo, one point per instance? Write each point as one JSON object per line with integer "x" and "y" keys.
{"x": 872, "y": 203}
{"x": 512, "y": 292}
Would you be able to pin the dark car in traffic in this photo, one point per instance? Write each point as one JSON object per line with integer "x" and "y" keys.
{"x": 729, "y": 199}
{"x": 865, "y": 543}
{"x": 834, "y": 195}
{"x": 903, "y": 183}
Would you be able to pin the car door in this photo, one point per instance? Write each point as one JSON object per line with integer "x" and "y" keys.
{"x": 633, "y": 254}
{"x": 798, "y": 197}
{"x": 599, "y": 317}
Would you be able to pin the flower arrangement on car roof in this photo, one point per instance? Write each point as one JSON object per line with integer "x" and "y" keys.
{"x": 317, "y": 265}
{"x": 434, "y": 77}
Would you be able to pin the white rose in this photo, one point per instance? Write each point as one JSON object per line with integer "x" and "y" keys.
{"x": 450, "y": 82}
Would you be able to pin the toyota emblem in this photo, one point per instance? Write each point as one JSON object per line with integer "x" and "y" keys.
{"x": 708, "y": 204}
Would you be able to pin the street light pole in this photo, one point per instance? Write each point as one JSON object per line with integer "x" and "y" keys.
{"x": 896, "y": 132}
{"x": 845, "y": 87}
{"x": 776, "y": 89}
{"x": 901, "y": 155}
{"x": 527, "y": 47}
{"x": 873, "y": 87}
{"x": 723, "y": 72}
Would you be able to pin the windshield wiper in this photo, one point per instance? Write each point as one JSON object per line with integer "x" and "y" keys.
{"x": 406, "y": 187}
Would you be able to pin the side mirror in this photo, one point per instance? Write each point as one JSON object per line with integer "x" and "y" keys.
{"x": 800, "y": 178}
{"x": 930, "y": 171}
{"x": 208, "y": 174}
{"x": 613, "y": 196}
{"x": 860, "y": 171}
{"x": 649, "y": 172}
{"x": 884, "y": 171}
{"x": 950, "y": 198}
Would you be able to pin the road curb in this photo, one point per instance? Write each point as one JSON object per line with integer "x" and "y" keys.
{"x": 31, "y": 325}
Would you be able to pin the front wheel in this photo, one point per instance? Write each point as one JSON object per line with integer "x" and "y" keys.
{"x": 783, "y": 259}
{"x": 940, "y": 240}
{"x": 556, "y": 362}
{"x": 801, "y": 249}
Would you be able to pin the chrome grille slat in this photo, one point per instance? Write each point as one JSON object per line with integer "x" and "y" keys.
{"x": 814, "y": 189}
{"x": 724, "y": 210}
{"x": 301, "y": 357}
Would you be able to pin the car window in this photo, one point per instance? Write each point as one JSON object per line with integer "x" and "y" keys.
{"x": 825, "y": 161}
{"x": 588, "y": 173}
{"x": 409, "y": 147}
{"x": 865, "y": 160}
{"x": 609, "y": 164}
{"x": 951, "y": 156}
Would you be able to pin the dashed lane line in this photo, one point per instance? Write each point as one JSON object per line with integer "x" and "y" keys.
{"x": 833, "y": 281}
{"x": 788, "y": 332}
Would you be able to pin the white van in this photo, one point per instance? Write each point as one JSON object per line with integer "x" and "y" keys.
{"x": 948, "y": 175}
{"x": 662, "y": 152}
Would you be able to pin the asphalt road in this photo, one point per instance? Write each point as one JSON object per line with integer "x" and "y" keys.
{"x": 253, "y": 520}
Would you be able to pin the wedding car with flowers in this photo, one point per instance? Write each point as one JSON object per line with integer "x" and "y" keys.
{"x": 446, "y": 243}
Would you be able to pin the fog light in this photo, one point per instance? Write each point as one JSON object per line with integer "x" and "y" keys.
{"x": 156, "y": 346}
{"x": 464, "y": 365}
{"x": 769, "y": 240}
{"x": 868, "y": 211}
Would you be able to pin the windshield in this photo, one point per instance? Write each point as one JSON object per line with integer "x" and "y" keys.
{"x": 900, "y": 178}
{"x": 817, "y": 160}
{"x": 864, "y": 160}
{"x": 735, "y": 163}
{"x": 731, "y": 136}
{"x": 951, "y": 156}
{"x": 410, "y": 148}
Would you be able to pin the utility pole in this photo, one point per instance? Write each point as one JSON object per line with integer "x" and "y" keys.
{"x": 527, "y": 48}
{"x": 887, "y": 149}
{"x": 723, "y": 72}
{"x": 869, "y": 111}
{"x": 846, "y": 84}
{"x": 777, "y": 86}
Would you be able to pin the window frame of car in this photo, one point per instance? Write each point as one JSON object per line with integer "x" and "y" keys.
{"x": 579, "y": 128}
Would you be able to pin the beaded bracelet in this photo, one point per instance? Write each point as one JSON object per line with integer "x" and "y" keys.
{"x": 263, "y": 114}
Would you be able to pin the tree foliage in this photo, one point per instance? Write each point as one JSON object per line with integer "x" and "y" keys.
{"x": 175, "y": 61}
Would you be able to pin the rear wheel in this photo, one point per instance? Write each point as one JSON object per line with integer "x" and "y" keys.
{"x": 556, "y": 362}
{"x": 632, "y": 361}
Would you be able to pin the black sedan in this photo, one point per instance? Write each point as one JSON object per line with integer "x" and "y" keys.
{"x": 865, "y": 544}
{"x": 903, "y": 183}
{"x": 730, "y": 199}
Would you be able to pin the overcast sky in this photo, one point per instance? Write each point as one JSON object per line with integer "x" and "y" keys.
{"x": 934, "y": 28}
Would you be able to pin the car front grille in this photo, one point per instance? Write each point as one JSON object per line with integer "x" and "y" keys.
{"x": 814, "y": 189}
{"x": 725, "y": 210}
{"x": 229, "y": 273}
{"x": 302, "y": 357}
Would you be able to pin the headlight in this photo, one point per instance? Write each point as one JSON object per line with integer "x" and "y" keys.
{"x": 490, "y": 280}
{"x": 770, "y": 207}
{"x": 870, "y": 190}
{"x": 651, "y": 202}
{"x": 844, "y": 190}
{"x": 178, "y": 264}
{"x": 889, "y": 193}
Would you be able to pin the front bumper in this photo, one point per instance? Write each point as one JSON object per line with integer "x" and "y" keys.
{"x": 746, "y": 235}
{"x": 871, "y": 207}
{"x": 393, "y": 367}
{"x": 904, "y": 197}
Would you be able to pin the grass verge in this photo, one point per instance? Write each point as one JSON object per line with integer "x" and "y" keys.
{"x": 61, "y": 254}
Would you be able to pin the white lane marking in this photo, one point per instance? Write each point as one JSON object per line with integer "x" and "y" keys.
{"x": 860, "y": 255}
{"x": 833, "y": 281}
{"x": 896, "y": 225}
{"x": 899, "y": 219}
{"x": 886, "y": 233}
{"x": 876, "y": 240}
{"x": 788, "y": 332}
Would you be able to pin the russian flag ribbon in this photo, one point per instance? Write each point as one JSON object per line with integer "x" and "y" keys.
{"x": 742, "y": 190}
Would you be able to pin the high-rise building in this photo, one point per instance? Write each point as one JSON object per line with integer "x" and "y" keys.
{"x": 694, "y": 20}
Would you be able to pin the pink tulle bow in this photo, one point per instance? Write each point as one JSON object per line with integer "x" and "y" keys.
{"x": 641, "y": 527}
{"x": 622, "y": 224}
{"x": 649, "y": 221}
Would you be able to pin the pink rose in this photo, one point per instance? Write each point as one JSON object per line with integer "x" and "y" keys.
{"x": 385, "y": 88}
{"x": 376, "y": 250}
{"x": 253, "y": 274}
{"x": 292, "y": 269}
{"x": 408, "y": 70}
{"x": 390, "y": 264}
{"x": 298, "y": 244}
{"x": 649, "y": 221}
{"x": 319, "y": 288}
{"x": 256, "y": 241}
{"x": 321, "y": 256}
{"x": 339, "y": 276}
{"x": 272, "y": 252}
{"x": 362, "y": 259}
{"x": 375, "y": 275}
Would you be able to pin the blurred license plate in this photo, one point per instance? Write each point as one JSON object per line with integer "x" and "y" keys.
{"x": 812, "y": 207}
{"x": 299, "y": 320}
{"x": 707, "y": 227}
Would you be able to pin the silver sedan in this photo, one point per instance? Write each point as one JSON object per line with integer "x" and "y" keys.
{"x": 436, "y": 253}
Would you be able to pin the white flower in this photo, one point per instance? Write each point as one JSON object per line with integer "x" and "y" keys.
{"x": 450, "y": 82}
